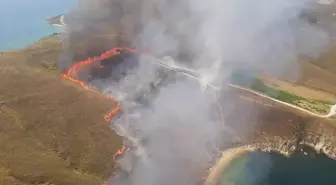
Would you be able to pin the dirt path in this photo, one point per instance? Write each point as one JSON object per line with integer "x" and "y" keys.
{"x": 170, "y": 64}
{"x": 331, "y": 113}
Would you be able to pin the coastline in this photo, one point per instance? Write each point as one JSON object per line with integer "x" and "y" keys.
{"x": 226, "y": 158}
{"x": 25, "y": 26}
{"x": 61, "y": 20}
{"x": 318, "y": 142}
{"x": 233, "y": 153}
{"x": 52, "y": 29}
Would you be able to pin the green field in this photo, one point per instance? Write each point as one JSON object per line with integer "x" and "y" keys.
{"x": 252, "y": 82}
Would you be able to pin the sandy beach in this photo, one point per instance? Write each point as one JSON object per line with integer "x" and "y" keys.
{"x": 227, "y": 156}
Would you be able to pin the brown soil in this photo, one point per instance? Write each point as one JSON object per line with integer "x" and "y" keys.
{"x": 313, "y": 76}
{"x": 263, "y": 118}
{"x": 298, "y": 90}
{"x": 51, "y": 131}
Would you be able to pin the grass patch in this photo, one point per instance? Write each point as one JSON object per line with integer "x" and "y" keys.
{"x": 52, "y": 131}
{"x": 279, "y": 95}
{"x": 317, "y": 106}
{"x": 327, "y": 102}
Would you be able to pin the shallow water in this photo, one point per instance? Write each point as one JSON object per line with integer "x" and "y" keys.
{"x": 260, "y": 168}
{"x": 24, "y": 22}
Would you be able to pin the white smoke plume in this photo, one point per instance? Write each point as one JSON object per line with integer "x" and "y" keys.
{"x": 178, "y": 132}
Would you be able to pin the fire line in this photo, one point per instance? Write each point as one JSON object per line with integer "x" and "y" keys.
{"x": 68, "y": 74}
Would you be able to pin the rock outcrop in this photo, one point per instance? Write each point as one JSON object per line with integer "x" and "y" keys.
{"x": 284, "y": 130}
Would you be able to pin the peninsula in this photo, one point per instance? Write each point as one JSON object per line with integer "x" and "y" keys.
{"x": 57, "y": 21}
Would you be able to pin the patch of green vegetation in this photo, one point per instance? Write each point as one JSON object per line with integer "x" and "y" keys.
{"x": 318, "y": 106}
{"x": 244, "y": 79}
{"x": 277, "y": 94}
{"x": 326, "y": 102}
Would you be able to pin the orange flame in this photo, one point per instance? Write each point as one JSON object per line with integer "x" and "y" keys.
{"x": 120, "y": 152}
{"x": 69, "y": 73}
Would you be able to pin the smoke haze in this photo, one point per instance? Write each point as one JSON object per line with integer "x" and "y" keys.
{"x": 179, "y": 131}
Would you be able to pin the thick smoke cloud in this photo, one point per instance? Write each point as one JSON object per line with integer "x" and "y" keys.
{"x": 178, "y": 132}
{"x": 264, "y": 35}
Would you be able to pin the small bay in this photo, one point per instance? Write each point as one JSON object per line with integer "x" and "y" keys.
{"x": 24, "y": 22}
{"x": 305, "y": 167}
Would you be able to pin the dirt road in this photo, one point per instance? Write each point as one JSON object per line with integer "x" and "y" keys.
{"x": 331, "y": 113}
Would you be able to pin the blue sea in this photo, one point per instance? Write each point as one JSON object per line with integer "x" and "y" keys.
{"x": 305, "y": 167}
{"x": 23, "y": 21}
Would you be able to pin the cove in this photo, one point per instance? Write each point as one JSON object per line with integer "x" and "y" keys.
{"x": 304, "y": 167}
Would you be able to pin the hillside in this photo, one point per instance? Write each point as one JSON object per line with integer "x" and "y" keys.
{"x": 51, "y": 131}
{"x": 320, "y": 74}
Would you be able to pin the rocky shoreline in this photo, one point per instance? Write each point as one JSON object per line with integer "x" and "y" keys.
{"x": 321, "y": 139}
{"x": 276, "y": 129}
{"x": 318, "y": 135}
{"x": 272, "y": 128}
{"x": 284, "y": 130}
{"x": 285, "y": 147}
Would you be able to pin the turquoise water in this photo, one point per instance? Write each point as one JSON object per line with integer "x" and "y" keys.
{"x": 23, "y": 22}
{"x": 260, "y": 168}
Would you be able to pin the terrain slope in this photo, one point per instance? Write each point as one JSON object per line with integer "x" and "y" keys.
{"x": 51, "y": 130}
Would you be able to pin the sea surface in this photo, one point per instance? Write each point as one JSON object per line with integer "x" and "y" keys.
{"x": 260, "y": 168}
{"x": 23, "y": 22}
